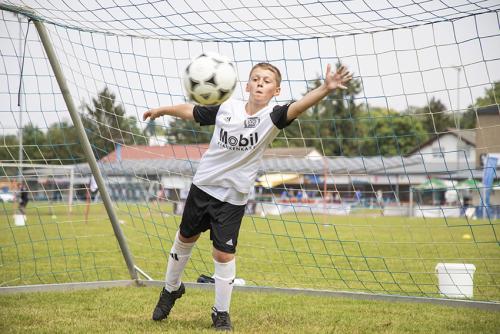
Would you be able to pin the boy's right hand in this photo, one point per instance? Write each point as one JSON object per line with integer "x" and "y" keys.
{"x": 150, "y": 114}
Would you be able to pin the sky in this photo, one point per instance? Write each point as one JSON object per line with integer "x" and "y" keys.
{"x": 454, "y": 61}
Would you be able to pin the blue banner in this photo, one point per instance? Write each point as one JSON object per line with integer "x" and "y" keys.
{"x": 488, "y": 176}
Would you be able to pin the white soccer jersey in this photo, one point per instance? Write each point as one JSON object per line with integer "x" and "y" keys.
{"x": 237, "y": 146}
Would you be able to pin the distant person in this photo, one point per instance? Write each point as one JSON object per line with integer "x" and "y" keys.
{"x": 305, "y": 196}
{"x": 284, "y": 195}
{"x": 380, "y": 199}
{"x": 358, "y": 196}
{"x": 467, "y": 201}
{"x": 300, "y": 195}
{"x": 23, "y": 199}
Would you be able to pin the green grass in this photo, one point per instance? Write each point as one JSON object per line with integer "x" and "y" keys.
{"x": 128, "y": 310}
{"x": 362, "y": 252}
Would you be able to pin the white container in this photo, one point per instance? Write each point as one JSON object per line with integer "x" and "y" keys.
{"x": 456, "y": 280}
{"x": 20, "y": 220}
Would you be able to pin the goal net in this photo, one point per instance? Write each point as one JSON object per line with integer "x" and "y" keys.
{"x": 383, "y": 187}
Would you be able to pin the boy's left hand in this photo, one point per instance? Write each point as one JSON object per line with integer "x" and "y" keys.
{"x": 337, "y": 79}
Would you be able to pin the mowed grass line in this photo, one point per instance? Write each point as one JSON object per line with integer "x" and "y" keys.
{"x": 354, "y": 253}
{"x": 128, "y": 310}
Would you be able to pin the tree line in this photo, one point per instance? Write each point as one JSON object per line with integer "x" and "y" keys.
{"x": 105, "y": 123}
{"x": 337, "y": 126}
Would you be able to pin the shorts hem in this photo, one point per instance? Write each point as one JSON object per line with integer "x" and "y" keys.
{"x": 224, "y": 250}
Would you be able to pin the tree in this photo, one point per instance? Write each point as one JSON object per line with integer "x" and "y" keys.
{"x": 107, "y": 125}
{"x": 64, "y": 146}
{"x": 59, "y": 145}
{"x": 182, "y": 131}
{"x": 9, "y": 148}
{"x": 34, "y": 144}
{"x": 9, "y": 152}
{"x": 491, "y": 97}
{"x": 389, "y": 133}
{"x": 331, "y": 126}
{"x": 434, "y": 117}
{"x": 35, "y": 148}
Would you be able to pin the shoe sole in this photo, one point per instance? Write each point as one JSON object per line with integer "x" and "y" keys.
{"x": 223, "y": 329}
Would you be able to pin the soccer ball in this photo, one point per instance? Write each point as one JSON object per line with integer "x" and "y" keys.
{"x": 210, "y": 79}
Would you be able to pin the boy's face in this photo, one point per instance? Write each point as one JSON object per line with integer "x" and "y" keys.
{"x": 262, "y": 85}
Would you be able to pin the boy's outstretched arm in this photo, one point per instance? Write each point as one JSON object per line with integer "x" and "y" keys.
{"x": 332, "y": 81}
{"x": 184, "y": 111}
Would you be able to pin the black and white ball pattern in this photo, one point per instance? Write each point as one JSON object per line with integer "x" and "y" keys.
{"x": 210, "y": 79}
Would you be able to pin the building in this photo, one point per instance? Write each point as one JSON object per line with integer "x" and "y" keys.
{"x": 143, "y": 173}
{"x": 455, "y": 147}
{"x": 487, "y": 133}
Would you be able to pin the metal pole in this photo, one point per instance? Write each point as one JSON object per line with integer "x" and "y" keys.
{"x": 325, "y": 187}
{"x": 410, "y": 206}
{"x": 61, "y": 80}
{"x": 457, "y": 118}
{"x": 71, "y": 190}
{"x": 20, "y": 153}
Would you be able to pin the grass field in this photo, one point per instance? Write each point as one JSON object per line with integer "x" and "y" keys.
{"x": 355, "y": 253}
{"x": 128, "y": 310}
{"x": 363, "y": 252}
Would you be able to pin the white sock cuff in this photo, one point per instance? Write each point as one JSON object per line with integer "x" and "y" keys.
{"x": 182, "y": 248}
{"x": 225, "y": 271}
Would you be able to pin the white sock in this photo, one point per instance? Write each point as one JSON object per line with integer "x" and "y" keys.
{"x": 179, "y": 256}
{"x": 224, "y": 278}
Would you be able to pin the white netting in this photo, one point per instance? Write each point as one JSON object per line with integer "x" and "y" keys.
{"x": 423, "y": 105}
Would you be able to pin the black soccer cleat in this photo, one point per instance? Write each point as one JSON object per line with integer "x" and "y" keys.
{"x": 221, "y": 320}
{"x": 166, "y": 302}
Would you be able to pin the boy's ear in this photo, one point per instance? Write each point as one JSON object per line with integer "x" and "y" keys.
{"x": 247, "y": 88}
{"x": 278, "y": 91}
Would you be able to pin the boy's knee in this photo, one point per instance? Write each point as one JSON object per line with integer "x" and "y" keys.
{"x": 221, "y": 256}
{"x": 188, "y": 240}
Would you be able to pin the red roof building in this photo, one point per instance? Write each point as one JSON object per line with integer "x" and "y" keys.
{"x": 168, "y": 151}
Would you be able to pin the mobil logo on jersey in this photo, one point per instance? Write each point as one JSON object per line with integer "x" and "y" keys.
{"x": 238, "y": 141}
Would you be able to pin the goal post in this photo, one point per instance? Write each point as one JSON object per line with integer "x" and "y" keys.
{"x": 96, "y": 173}
{"x": 84, "y": 141}
{"x": 372, "y": 190}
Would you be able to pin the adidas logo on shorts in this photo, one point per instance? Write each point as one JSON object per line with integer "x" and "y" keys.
{"x": 230, "y": 242}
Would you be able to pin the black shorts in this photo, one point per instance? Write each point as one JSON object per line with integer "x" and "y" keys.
{"x": 203, "y": 212}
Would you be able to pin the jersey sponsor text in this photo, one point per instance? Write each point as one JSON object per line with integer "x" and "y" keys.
{"x": 237, "y": 143}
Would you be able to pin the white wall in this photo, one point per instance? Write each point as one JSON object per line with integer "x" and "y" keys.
{"x": 445, "y": 149}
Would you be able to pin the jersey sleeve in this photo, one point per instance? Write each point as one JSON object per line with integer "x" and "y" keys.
{"x": 205, "y": 115}
{"x": 279, "y": 115}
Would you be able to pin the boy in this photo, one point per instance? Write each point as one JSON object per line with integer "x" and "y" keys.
{"x": 227, "y": 170}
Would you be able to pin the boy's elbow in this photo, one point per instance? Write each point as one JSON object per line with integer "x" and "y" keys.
{"x": 292, "y": 115}
{"x": 294, "y": 111}
{"x": 187, "y": 112}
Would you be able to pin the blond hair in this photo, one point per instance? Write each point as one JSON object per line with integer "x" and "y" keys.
{"x": 270, "y": 67}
